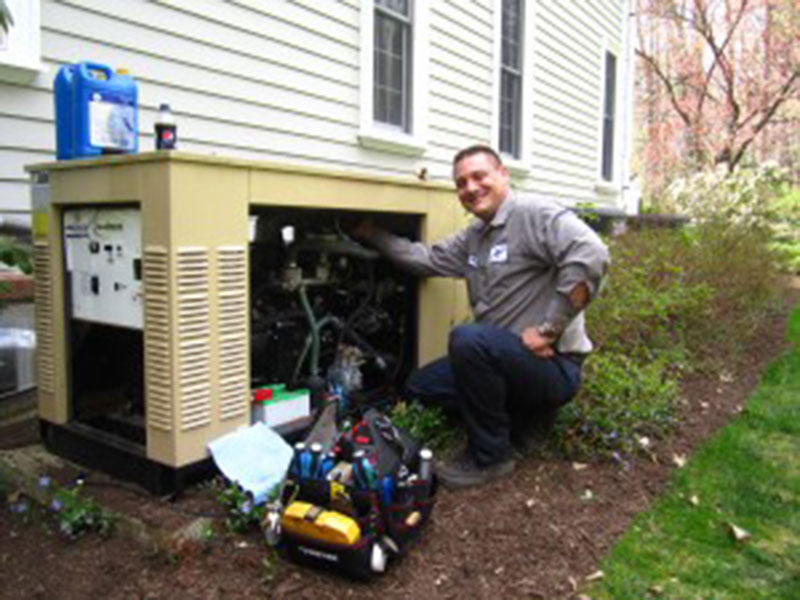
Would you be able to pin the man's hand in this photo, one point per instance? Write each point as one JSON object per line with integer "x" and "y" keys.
{"x": 364, "y": 230}
{"x": 541, "y": 345}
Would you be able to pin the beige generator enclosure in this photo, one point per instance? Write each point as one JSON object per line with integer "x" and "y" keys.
{"x": 172, "y": 288}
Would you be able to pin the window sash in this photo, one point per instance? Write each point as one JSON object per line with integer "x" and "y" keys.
{"x": 609, "y": 101}
{"x": 510, "y": 112}
{"x": 392, "y": 54}
{"x": 510, "y": 125}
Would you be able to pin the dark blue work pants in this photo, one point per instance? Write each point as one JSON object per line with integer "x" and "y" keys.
{"x": 496, "y": 384}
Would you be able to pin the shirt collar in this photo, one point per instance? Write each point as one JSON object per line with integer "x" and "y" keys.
{"x": 501, "y": 216}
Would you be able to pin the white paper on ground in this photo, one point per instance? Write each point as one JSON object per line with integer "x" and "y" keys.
{"x": 254, "y": 457}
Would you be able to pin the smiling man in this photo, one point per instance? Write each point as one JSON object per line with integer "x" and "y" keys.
{"x": 531, "y": 268}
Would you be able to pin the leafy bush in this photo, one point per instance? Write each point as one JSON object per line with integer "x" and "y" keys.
{"x": 426, "y": 423}
{"x": 624, "y": 402}
{"x": 674, "y": 301}
{"x": 785, "y": 225}
{"x": 745, "y": 197}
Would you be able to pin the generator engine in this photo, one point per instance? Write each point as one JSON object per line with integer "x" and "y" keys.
{"x": 327, "y": 313}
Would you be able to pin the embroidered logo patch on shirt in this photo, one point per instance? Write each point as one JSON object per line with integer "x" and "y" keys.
{"x": 472, "y": 261}
{"x": 498, "y": 253}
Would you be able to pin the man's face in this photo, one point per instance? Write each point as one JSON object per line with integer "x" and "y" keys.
{"x": 481, "y": 184}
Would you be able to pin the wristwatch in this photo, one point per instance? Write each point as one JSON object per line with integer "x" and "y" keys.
{"x": 548, "y": 329}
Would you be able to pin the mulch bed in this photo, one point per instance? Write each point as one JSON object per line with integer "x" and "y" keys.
{"x": 537, "y": 534}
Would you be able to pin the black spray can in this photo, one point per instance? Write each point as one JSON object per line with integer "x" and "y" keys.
{"x": 166, "y": 130}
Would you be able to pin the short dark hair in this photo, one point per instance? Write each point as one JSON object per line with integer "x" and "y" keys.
{"x": 477, "y": 149}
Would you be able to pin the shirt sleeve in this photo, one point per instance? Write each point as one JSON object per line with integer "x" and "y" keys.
{"x": 579, "y": 255}
{"x": 447, "y": 258}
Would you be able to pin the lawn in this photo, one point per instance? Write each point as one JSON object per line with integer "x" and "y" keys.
{"x": 729, "y": 525}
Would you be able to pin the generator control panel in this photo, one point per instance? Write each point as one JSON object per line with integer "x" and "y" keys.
{"x": 103, "y": 252}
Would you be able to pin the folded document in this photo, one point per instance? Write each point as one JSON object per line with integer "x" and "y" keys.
{"x": 254, "y": 457}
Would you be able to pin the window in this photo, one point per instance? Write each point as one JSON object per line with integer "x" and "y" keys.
{"x": 394, "y": 71}
{"x": 20, "y": 55}
{"x": 511, "y": 78}
{"x": 514, "y": 57}
{"x": 392, "y": 63}
{"x": 607, "y": 160}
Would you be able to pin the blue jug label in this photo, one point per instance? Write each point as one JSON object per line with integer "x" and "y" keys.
{"x": 111, "y": 125}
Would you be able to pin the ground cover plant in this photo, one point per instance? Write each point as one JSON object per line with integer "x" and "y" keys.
{"x": 729, "y": 525}
{"x": 63, "y": 508}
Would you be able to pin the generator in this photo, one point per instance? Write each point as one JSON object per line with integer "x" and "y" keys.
{"x": 169, "y": 287}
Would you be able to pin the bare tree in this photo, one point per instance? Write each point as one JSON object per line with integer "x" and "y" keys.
{"x": 716, "y": 74}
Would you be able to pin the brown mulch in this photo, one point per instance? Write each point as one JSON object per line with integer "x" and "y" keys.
{"x": 537, "y": 534}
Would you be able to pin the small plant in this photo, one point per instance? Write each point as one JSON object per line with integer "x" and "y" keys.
{"x": 72, "y": 514}
{"x": 426, "y": 423}
{"x": 243, "y": 514}
{"x": 15, "y": 254}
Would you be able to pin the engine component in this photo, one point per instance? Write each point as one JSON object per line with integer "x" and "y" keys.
{"x": 326, "y": 310}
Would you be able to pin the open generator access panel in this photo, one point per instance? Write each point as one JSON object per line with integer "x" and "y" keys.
{"x": 169, "y": 286}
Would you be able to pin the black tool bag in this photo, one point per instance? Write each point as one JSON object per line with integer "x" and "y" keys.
{"x": 388, "y": 501}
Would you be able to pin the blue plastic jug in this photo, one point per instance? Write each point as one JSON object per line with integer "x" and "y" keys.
{"x": 62, "y": 89}
{"x": 96, "y": 111}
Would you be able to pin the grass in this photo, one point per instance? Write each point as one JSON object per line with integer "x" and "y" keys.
{"x": 747, "y": 475}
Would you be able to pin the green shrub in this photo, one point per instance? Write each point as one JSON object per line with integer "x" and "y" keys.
{"x": 785, "y": 225}
{"x": 621, "y": 403}
{"x": 426, "y": 423}
{"x": 674, "y": 301}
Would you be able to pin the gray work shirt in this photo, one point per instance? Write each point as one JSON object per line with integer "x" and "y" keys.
{"x": 519, "y": 268}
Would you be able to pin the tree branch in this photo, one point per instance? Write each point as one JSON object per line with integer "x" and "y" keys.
{"x": 673, "y": 97}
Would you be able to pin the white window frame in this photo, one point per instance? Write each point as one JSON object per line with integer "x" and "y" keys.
{"x": 20, "y": 48}
{"x": 517, "y": 166}
{"x": 610, "y": 186}
{"x": 383, "y": 136}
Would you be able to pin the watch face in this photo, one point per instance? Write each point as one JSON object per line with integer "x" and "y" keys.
{"x": 547, "y": 329}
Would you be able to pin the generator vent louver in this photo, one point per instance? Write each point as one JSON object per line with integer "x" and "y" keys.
{"x": 158, "y": 355}
{"x": 194, "y": 337}
{"x": 43, "y": 301}
{"x": 233, "y": 331}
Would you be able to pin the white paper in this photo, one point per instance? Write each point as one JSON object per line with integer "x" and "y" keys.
{"x": 255, "y": 457}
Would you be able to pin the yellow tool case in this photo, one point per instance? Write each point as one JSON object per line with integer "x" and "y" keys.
{"x": 314, "y": 522}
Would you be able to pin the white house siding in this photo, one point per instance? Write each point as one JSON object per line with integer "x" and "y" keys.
{"x": 570, "y": 41}
{"x": 278, "y": 80}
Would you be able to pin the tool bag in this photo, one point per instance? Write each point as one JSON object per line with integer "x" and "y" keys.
{"x": 361, "y": 505}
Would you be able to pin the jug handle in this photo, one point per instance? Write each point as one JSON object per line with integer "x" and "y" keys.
{"x": 85, "y": 67}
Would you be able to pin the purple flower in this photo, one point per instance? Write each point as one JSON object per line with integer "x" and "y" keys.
{"x": 44, "y": 481}
{"x": 56, "y": 505}
{"x": 19, "y": 507}
{"x": 246, "y": 507}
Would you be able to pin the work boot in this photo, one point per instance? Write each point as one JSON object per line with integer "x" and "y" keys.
{"x": 463, "y": 471}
